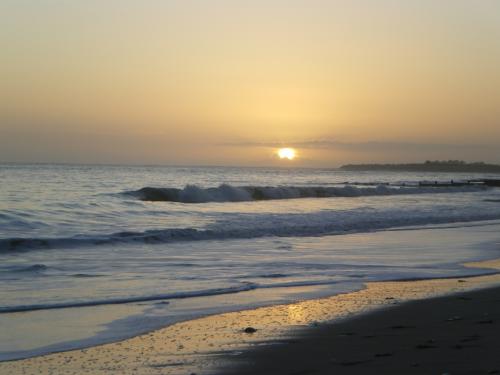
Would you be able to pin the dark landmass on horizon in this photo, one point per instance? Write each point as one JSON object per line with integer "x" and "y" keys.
{"x": 428, "y": 166}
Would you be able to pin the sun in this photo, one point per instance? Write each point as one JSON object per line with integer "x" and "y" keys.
{"x": 287, "y": 153}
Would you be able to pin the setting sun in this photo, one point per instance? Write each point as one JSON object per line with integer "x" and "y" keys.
{"x": 286, "y": 153}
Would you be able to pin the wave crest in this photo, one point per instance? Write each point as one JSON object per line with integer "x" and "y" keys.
{"x": 229, "y": 193}
{"x": 258, "y": 226}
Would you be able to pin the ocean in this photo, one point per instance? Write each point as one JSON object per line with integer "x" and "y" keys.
{"x": 93, "y": 254}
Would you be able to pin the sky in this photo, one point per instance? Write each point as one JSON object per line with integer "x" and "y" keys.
{"x": 227, "y": 82}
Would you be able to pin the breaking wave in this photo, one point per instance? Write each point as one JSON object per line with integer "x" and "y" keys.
{"x": 229, "y": 193}
{"x": 263, "y": 225}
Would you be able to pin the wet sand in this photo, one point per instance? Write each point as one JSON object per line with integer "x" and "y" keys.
{"x": 458, "y": 334}
{"x": 299, "y": 336}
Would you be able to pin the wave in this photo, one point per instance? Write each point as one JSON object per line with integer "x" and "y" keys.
{"x": 124, "y": 300}
{"x": 263, "y": 225}
{"x": 35, "y": 268}
{"x": 228, "y": 193}
{"x": 163, "y": 298}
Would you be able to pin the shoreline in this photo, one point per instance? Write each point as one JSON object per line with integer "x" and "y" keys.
{"x": 205, "y": 344}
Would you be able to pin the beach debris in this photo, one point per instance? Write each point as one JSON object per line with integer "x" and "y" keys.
{"x": 347, "y": 334}
{"x": 383, "y": 354}
{"x": 354, "y": 363}
{"x": 166, "y": 364}
{"x": 425, "y": 346}
{"x": 461, "y": 281}
{"x": 470, "y": 338}
{"x": 401, "y": 327}
{"x": 489, "y": 321}
{"x": 250, "y": 330}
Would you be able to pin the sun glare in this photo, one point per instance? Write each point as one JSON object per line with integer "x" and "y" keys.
{"x": 286, "y": 153}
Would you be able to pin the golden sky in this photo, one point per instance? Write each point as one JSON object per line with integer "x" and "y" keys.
{"x": 228, "y": 81}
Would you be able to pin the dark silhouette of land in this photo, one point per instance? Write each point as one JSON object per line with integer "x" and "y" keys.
{"x": 428, "y": 166}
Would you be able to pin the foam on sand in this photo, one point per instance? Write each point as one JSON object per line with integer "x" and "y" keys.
{"x": 196, "y": 345}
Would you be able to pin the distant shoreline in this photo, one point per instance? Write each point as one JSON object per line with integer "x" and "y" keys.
{"x": 429, "y": 166}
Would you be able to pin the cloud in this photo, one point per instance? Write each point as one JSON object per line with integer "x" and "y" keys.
{"x": 370, "y": 146}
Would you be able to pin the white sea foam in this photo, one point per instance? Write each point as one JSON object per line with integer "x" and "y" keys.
{"x": 237, "y": 226}
{"x": 68, "y": 241}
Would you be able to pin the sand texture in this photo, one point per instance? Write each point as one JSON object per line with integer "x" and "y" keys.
{"x": 458, "y": 334}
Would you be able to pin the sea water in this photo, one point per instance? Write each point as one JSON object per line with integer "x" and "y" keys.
{"x": 92, "y": 254}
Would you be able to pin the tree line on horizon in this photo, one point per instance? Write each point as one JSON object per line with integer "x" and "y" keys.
{"x": 428, "y": 166}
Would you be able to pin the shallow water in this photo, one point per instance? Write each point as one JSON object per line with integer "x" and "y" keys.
{"x": 75, "y": 243}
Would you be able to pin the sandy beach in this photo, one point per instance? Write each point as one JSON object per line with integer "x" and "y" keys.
{"x": 456, "y": 334}
{"x": 378, "y": 326}
{"x": 249, "y": 187}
